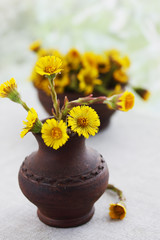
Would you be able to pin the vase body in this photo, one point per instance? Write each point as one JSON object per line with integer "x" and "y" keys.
{"x": 64, "y": 184}
{"x": 103, "y": 111}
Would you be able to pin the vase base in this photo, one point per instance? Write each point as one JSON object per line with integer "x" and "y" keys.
{"x": 66, "y": 223}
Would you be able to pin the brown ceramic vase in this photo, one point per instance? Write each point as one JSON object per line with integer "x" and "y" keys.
{"x": 64, "y": 184}
{"x": 102, "y": 110}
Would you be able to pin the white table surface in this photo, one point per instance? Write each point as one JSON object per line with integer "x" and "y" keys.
{"x": 131, "y": 148}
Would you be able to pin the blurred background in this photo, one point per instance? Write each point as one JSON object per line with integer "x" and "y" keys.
{"x": 132, "y": 26}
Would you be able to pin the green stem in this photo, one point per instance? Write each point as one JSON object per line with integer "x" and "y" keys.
{"x": 54, "y": 96}
{"x": 73, "y": 83}
{"x": 24, "y": 105}
{"x": 81, "y": 101}
{"x": 118, "y": 191}
{"x": 108, "y": 76}
{"x": 101, "y": 89}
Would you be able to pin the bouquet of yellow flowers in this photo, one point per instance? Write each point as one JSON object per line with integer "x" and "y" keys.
{"x": 73, "y": 117}
{"x": 104, "y": 74}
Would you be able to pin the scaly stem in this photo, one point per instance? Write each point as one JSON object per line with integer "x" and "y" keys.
{"x": 54, "y": 96}
{"x": 88, "y": 101}
{"x": 81, "y": 101}
{"x": 15, "y": 97}
{"x": 24, "y": 105}
{"x": 118, "y": 191}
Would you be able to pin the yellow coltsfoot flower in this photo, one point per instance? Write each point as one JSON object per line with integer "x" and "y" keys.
{"x": 117, "y": 210}
{"x": 116, "y": 58}
{"x": 40, "y": 82}
{"x": 88, "y": 78}
{"x": 54, "y": 133}
{"x": 112, "y": 53}
{"x": 9, "y": 90}
{"x": 61, "y": 81}
{"x": 143, "y": 93}
{"x": 126, "y": 101}
{"x": 84, "y": 120}
{"x": 123, "y": 102}
{"x": 7, "y": 87}
{"x": 49, "y": 65}
{"x": 73, "y": 59}
{"x": 33, "y": 124}
{"x": 35, "y": 46}
{"x": 122, "y": 61}
{"x": 125, "y": 62}
{"x": 103, "y": 64}
{"x": 120, "y": 76}
{"x": 89, "y": 58}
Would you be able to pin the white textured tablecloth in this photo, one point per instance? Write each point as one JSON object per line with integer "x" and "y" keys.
{"x": 131, "y": 148}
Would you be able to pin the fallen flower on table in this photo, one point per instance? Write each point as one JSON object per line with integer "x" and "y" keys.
{"x": 117, "y": 210}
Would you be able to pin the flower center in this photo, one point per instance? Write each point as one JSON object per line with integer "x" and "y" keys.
{"x": 128, "y": 102}
{"x": 82, "y": 121}
{"x": 118, "y": 210}
{"x": 102, "y": 65}
{"x": 56, "y": 133}
{"x": 49, "y": 69}
{"x": 88, "y": 79}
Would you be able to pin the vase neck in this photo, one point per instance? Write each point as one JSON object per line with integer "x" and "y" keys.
{"x": 73, "y": 158}
{"x": 74, "y": 144}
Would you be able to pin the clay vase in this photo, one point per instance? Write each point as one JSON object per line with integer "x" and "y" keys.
{"x": 103, "y": 111}
{"x": 64, "y": 184}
